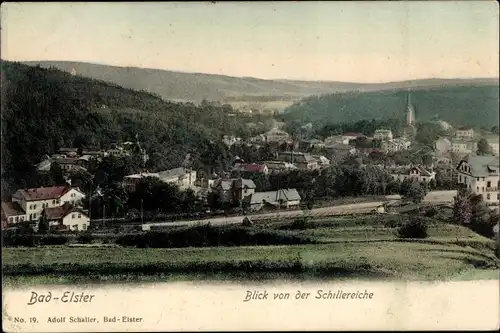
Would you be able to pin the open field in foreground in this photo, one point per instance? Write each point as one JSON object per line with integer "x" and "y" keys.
{"x": 341, "y": 252}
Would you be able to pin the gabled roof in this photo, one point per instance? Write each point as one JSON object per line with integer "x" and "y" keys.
{"x": 481, "y": 166}
{"x": 226, "y": 184}
{"x": 43, "y": 193}
{"x": 422, "y": 171}
{"x": 177, "y": 172}
{"x": 352, "y": 134}
{"x": 252, "y": 167}
{"x": 242, "y": 183}
{"x": 56, "y": 213}
{"x": 12, "y": 209}
{"x": 275, "y": 196}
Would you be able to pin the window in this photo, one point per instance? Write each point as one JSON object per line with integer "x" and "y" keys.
{"x": 488, "y": 184}
{"x": 459, "y": 178}
{"x": 478, "y": 189}
{"x": 11, "y": 219}
{"x": 34, "y": 206}
{"x": 31, "y": 217}
{"x": 79, "y": 215}
{"x": 17, "y": 219}
{"x": 483, "y": 188}
{"x": 34, "y": 215}
{"x": 75, "y": 227}
{"x": 73, "y": 216}
{"x": 53, "y": 202}
{"x": 477, "y": 179}
{"x": 58, "y": 201}
{"x": 84, "y": 227}
{"x": 488, "y": 196}
{"x": 31, "y": 206}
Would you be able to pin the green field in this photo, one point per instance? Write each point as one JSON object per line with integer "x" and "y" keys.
{"x": 345, "y": 249}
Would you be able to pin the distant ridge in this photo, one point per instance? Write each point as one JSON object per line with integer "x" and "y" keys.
{"x": 195, "y": 87}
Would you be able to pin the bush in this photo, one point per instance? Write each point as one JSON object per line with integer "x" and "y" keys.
{"x": 416, "y": 227}
{"x": 207, "y": 235}
{"x": 431, "y": 212}
{"x": 53, "y": 240}
{"x": 85, "y": 238}
{"x": 299, "y": 224}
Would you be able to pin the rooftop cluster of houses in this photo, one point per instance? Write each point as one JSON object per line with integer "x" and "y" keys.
{"x": 183, "y": 177}
{"x": 73, "y": 160}
{"x": 60, "y": 205}
{"x": 243, "y": 190}
{"x": 463, "y": 143}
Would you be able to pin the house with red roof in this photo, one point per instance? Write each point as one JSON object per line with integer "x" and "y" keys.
{"x": 251, "y": 167}
{"x": 34, "y": 200}
{"x": 66, "y": 218}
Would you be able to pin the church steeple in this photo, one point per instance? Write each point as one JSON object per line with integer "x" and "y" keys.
{"x": 410, "y": 111}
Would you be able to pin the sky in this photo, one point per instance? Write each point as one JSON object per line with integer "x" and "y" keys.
{"x": 330, "y": 41}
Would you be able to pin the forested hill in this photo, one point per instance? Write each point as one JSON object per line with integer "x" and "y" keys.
{"x": 472, "y": 105}
{"x": 198, "y": 86}
{"x": 45, "y": 109}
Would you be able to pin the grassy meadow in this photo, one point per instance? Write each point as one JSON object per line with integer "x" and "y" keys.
{"x": 341, "y": 248}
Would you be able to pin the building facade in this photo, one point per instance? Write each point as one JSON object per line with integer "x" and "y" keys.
{"x": 480, "y": 174}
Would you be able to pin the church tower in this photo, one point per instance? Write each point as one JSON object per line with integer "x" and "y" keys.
{"x": 410, "y": 111}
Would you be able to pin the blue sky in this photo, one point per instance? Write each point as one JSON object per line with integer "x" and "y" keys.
{"x": 337, "y": 41}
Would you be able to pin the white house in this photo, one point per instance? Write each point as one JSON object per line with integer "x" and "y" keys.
{"x": 233, "y": 188}
{"x": 12, "y": 213}
{"x": 183, "y": 177}
{"x": 34, "y": 200}
{"x": 418, "y": 173}
{"x": 67, "y": 218}
{"x": 279, "y": 166}
{"x": 466, "y": 133}
{"x": 460, "y": 146}
{"x": 383, "y": 134}
{"x": 334, "y": 139}
{"x": 395, "y": 145}
{"x": 481, "y": 175}
{"x": 284, "y": 198}
{"x": 493, "y": 142}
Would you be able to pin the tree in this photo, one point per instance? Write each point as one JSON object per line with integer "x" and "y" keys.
{"x": 462, "y": 208}
{"x": 483, "y": 148}
{"x": 416, "y": 227}
{"x": 412, "y": 190}
{"x": 214, "y": 201}
{"x": 56, "y": 174}
{"x": 189, "y": 201}
{"x": 43, "y": 225}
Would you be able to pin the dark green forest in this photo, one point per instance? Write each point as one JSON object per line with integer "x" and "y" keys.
{"x": 471, "y": 105}
{"x": 45, "y": 109}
